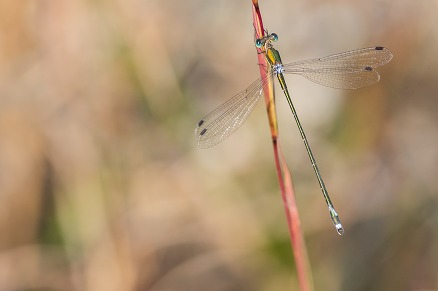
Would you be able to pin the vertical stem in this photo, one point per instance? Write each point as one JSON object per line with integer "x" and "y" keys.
{"x": 283, "y": 173}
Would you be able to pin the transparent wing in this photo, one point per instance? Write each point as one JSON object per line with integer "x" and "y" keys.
{"x": 348, "y": 70}
{"x": 227, "y": 118}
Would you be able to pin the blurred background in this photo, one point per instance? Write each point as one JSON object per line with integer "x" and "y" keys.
{"x": 102, "y": 186}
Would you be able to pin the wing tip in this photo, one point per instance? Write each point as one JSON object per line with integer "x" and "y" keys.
{"x": 388, "y": 53}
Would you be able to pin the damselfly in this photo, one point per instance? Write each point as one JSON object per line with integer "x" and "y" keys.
{"x": 347, "y": 70}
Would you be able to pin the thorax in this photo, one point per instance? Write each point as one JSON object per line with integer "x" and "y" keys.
{"x": 274, "y": 59}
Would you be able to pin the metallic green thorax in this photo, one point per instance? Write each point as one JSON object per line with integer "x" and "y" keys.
{"x": 273, "y": 56}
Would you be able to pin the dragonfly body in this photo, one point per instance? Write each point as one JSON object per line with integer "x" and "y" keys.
{"x": 348, "y": 70}
{"x": 274, "y": 59}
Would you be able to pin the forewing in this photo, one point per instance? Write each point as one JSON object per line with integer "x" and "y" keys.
{"x": 348, "y": 70}
{"x": 227, "y": 118}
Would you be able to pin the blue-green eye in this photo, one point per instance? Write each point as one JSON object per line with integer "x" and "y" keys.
{"x": 258, "y": 43}
{"x": 274, "y": 37}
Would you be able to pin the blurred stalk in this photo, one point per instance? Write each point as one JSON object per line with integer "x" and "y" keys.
{"x": 284, "y": 178}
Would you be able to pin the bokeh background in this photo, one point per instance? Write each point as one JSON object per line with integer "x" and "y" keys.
{"x": 102, "y": 186}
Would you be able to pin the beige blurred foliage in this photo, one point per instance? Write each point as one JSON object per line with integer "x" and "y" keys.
{"x": 102, "y": 186}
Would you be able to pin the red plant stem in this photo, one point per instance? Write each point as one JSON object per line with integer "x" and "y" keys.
{"x": 283, "y": 173}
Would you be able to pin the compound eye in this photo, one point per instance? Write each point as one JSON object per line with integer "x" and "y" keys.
{"x": 258, "y": 43}
{"x": 274, "y": 37}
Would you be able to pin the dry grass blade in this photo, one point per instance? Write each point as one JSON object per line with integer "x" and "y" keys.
{"x": 283, "y": 173}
